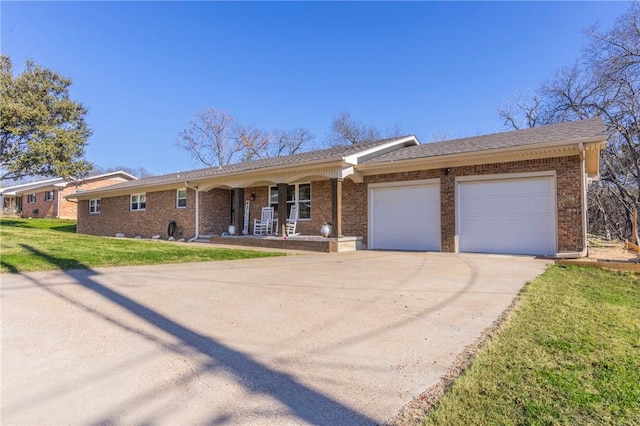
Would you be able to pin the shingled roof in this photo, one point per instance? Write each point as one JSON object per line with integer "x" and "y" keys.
{"x": 569, "y": 131}
{"x": 330, "y": 154}
{"x": 372, "y": 155}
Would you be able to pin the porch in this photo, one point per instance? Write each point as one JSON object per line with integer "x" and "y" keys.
{"x": 298, "y": 242}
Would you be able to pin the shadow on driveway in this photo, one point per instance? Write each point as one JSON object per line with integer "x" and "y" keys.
{"x": 304, "y": 403}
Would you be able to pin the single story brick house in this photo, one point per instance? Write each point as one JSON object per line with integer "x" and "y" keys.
{"x": 46, "y": 198}
{"x": 519, "y": 192}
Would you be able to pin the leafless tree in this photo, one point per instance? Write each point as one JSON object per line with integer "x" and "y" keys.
{"x": 255, "y": 142}
{"x": 346, "y": 130}
{"x": 139, "y": 172}
{"x": 287, "y": 142}
{"x": 209, "y": 138}
{"x": 604, "y": 82}
{"x": 216, "y": 138}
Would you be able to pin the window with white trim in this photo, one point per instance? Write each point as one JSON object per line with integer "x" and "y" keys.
{"x": 138, "y": 202}
{"x": 48, "y": 195}
{"x": 299, "y": 193}
{"x": 31, "y": 198}
{"x": 94, "y": 206}
{"x": 181, "y": 198}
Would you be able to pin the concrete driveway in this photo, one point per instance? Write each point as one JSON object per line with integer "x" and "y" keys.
{"x": 346, "y": 338}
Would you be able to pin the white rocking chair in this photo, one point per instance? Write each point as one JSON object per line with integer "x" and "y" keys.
{"x": 265, "y": 224}
{"x": 292, "y": 221}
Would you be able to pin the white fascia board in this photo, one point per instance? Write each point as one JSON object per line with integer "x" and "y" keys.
{"x": 381, "y": 149}
{"x": 515, "y": 153}
{"x": 107, "y": 175}
{"x": 32, "y": 185}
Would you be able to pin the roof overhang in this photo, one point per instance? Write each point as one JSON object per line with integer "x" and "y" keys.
{"x": 35, "y": 187}
{"x": 592, "y": 149}
{"x": 338, "y": 168}
{"x": 242, "y": 179}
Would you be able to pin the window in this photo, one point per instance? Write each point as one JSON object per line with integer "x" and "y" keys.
{"x": 181, "y": 198}
{"x": 138, "y": 202}
{"x": 31, "y": 198}
{"x": 94, "y": 206}
{"x": 48, "y": 195}
{"x": 299, "y": 193}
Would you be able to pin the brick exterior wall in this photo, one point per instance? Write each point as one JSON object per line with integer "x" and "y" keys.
{"x": 40, "y": 208}
{"x": 68, "y": 208}
{"x": 568, "y": 196}
{"x": 215, "y": 205}
{"x": 215, "y": 211}
{"x": 116, "y": 217}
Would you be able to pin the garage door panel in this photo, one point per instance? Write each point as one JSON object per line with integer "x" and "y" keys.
{"x": 507, "y": 216}
{"x": 405, "y": 217}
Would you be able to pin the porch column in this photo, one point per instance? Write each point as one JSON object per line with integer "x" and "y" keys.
{"x": 282, "y": 206}
{"x": 238, "y": 209}
{"x": 336, "y": 207}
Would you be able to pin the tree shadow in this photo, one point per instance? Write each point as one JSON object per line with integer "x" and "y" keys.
{"x": 21, "y": 223}
{"x": 64, "y": 228}
{"x": 306, "y": 404}
{"x": 11, "y": 268}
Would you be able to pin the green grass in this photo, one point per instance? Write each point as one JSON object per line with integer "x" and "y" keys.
{"x": 569, "y": 355}
{"x": 48, "y": 244}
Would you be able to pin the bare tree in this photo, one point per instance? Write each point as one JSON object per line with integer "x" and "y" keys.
{"x": 346, "y": 130}
{"x": 209, "y": 138}
{"x": 215, "y": 138}
{"x": 287, "y": 142}
{"x": 440, "y": 135}
{"x": 139, "y": 172}
{"x": 261, "y": 144}
{"x": 604, "y": 82}
{"x": 255, "y": 142}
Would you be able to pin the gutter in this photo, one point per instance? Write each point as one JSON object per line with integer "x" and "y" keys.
{"x": 197, "y": 221}
{"x": 583, "y": 175}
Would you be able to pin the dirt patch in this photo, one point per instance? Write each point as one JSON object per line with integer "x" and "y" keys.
{"x": 603, "y": 250}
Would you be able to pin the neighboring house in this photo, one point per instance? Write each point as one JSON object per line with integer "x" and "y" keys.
{"x": 521, "y": 192}
{"x": 46, "y": 198}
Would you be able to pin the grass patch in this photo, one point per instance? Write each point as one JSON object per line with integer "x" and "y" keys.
{"x": 48, "y": 244}
{"x": 569, "y": 355}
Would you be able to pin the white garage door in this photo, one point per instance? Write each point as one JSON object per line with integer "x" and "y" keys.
{"x": 514, "y": 216}
{"x": 405, "y": 217}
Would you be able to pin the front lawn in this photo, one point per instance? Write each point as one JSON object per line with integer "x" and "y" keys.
{"x": 569, "y": 355}
{"x": 46, "y": 244}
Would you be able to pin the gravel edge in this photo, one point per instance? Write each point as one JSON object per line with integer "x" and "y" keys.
{"x": 416, "y": 410}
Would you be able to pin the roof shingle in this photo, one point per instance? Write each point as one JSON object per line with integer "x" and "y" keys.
{"x": 592, "y": 128}
{"x": 334, "y": 153}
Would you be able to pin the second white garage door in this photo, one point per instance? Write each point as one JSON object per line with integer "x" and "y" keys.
{"x": 405, "y": 216}
{"x": 515, "y": 216}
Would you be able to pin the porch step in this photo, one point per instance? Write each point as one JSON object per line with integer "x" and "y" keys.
{"x": 203, "y": 239}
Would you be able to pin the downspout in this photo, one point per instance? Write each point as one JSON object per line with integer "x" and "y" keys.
{"x": 57, "y": 195}
{"x": 583, "y": 175}
{"x": 197, "y": 221}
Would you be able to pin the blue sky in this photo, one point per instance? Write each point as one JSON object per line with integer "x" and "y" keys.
{"x": 144, "y": 68}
